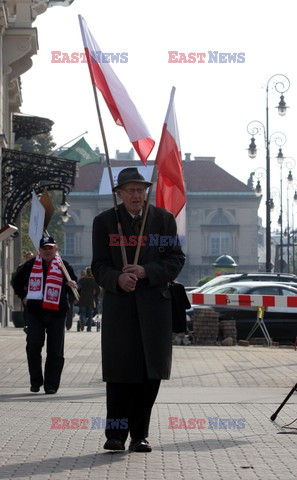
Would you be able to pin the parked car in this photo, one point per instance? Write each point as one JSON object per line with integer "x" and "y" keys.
{"x": 281, "y": 322}
{"x": 246, "y": 277}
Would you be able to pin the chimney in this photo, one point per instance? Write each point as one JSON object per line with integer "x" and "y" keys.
{"x": 187, "y": 157}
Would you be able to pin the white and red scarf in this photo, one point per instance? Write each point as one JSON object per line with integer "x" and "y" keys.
{"x": 53, "y": 283}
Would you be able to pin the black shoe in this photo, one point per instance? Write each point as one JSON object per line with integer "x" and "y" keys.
{"x": 114, "y": 444}
{"x": 34, "y": 389}
{"x": 141, "y": 445}
{"x": 50, "y": 391}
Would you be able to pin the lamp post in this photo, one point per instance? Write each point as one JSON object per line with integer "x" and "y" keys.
{"x": 260, "y": 173}
{"x": 293, "y": 223}
{"x": 291, "y": 164}
{"x": 281, "y": 84}
{"x": 288, "y": 162}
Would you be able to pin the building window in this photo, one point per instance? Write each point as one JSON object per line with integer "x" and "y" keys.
{"x": 69, "y": 243}
{"x": 220, "y": 243}
{"x": 220, "y": 219}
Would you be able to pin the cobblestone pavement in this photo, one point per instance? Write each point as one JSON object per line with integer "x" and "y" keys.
{"x": 230, "y": 391}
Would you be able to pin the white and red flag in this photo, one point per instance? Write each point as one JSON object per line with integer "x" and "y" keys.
{"x": 116, "y": 96}
{"x": 170, "y": 192}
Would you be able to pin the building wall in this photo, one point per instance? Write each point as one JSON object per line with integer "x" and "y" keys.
{"x": 18, "y": 43}
{"x": 208, "y": 238}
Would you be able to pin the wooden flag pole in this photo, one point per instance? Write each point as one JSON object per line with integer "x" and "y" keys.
{"x": 147, "y": 206}
{"x": 136, "y": 257}
{"x": 46, "y": 201}
{"x": 115, "y": 204}
{"x": 65, "y": 271}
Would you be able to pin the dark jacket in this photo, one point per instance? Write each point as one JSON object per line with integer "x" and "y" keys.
{"x": 88, "y": 291}
{"x": 136, "y": 326}
{"x": 20, "y": 286}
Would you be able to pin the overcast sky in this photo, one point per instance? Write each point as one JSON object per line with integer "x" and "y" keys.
{"x": 214, "y": 101}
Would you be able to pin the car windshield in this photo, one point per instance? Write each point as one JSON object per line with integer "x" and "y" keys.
{"x": 253, "y": 288}
{"x": 228, "y": 289}
{"x": 220, "y": 280}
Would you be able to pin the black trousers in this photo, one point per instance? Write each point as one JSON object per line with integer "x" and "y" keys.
{"x": 51, "y": 325}
{"x": 132, "y": 402}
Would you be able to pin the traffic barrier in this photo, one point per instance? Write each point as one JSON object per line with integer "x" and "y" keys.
{"x": 242, "y": 300}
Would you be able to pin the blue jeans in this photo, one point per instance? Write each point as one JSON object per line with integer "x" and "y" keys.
{"x": 86, "y": 313}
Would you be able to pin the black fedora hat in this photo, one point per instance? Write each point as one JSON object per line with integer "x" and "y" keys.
{"x": 130, "y": 174}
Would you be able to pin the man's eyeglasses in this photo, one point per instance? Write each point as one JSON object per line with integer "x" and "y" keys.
{"x": 132, "y": 191}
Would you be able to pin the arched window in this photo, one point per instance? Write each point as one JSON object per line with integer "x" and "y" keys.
{"x": 219, "y": 219}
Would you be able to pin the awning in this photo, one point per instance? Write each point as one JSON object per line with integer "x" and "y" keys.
{"x": 26, "y": 126}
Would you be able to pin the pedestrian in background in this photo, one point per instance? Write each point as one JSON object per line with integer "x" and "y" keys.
{"x": 88, "y": 292}
{"x": 43, "y": 288}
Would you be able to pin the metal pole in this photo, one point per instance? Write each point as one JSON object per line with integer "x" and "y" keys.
{"x": 268, "y": 226}
{"x": 288, "y": 231}
{"x": 282, "y": 84}
{"x": 281, "y": 220}
{"x": 293, "y": 237}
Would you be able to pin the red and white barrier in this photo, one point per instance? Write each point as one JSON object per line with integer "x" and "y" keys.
{"x": 231, "y": 300}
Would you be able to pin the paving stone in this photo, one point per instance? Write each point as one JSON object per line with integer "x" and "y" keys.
{"x": 208, "y": 383}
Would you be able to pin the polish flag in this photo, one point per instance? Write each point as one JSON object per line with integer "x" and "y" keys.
{"x": 115, "y": 95}
{"x": 170, "y": 192}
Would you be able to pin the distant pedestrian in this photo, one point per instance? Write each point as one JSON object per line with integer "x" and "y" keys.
{"x": 43, "y": 288}
{"x": 88, "y": 292}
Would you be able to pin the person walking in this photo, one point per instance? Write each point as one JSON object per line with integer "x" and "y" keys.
{"x": 88, "y": 291}
{"x": 43, "y": 288}
{"x": 137, "y": 315}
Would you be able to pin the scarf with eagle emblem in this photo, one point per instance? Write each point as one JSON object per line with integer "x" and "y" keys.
{"x": 53, "y": 283}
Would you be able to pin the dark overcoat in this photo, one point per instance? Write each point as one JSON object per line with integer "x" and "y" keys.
{"x": 88, "y": 290}
{"x": 136, "y": 326}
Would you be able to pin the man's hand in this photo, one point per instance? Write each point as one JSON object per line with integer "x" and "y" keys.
{"x": 127, "y": 282}
{"x": 72, "y": 284}
{"x": 138, "y": 270}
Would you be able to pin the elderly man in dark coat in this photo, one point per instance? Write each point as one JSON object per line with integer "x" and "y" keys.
{"x": 137, "y": 316}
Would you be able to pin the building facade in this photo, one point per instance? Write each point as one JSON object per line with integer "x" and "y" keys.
{"x": 18, "y": 43}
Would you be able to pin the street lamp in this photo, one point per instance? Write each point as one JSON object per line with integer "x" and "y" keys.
{"x": 293, "y": 228}
{"x": 64, "y": 208}
{"x": 289, "y": 163}
{"x": 260, "y": 173}
{"x": 281, "y": 84}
